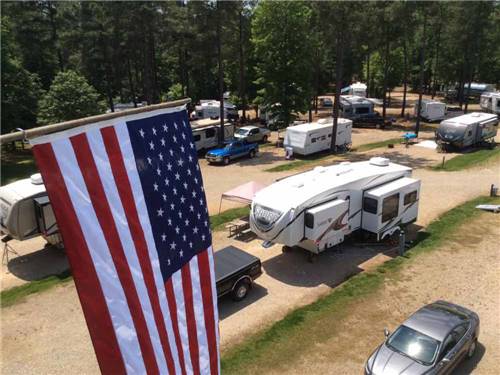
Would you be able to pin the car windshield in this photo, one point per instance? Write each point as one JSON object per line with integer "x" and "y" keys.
{"x": 229, "y": 145}
{"x": 242, "y": 131}
{"x": 413, "y": 344}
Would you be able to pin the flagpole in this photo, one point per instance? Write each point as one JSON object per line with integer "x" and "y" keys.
{"x": 47, "y": 129}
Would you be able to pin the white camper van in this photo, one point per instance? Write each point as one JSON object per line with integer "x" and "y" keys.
{"x": 467, "y": 130}
{"x": 306, "y": 139}
{"x": 26, "y": 211}
{"x": 211, "y": 109}
{"x": 206, "y": 133}
{"x": 315, "y": 210}
{"x": 431, "y": 110}
{"x": 490, "y": 102}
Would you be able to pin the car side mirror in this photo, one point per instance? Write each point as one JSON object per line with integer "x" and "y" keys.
{"x": 386, "y": 332}
{"x": 445, "y": 360}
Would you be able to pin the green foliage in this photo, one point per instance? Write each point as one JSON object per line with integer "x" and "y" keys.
{"x": 317, "y": 322}
{"x": 69, "y": 97}
{"x": 282, "y": 44}
{"x": 175, "y": 92}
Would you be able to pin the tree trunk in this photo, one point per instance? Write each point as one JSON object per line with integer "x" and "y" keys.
{"x": 242, "y": 70}
{"x": 386, "y": 71}
{"x": 221, "y": 73}
{"x": 405, "y": 77}
{"x": 338, "y": 87}
{"x": 53, "y": 26}
{"x": 131, "y": 83}
{"x": 421, "y": 86}
{"x": 368, "y": 75}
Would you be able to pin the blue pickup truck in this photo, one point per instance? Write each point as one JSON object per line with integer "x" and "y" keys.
{"x": 232, "y": 150}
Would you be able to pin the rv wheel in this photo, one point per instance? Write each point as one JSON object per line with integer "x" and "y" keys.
{"x": 226, "y": 160}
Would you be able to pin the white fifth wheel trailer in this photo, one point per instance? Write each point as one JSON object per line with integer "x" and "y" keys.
{"x": 26, "y": 211}
{"x": 309, "y": 138}
{"x": 316, "y": 210}
{"x": 431, "y": 110}
{"x": 490, "y": 102}
{"x": 467, "y": 130}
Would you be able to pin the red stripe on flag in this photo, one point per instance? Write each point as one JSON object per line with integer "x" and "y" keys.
{"x": 127, "y": 198}
{"x": 104, "y": 215}
{"x": 87, "y": 283}
{"x": 172, "y": 306}
{"x": 208, "y": 310}
{"x": 187, "y": 288}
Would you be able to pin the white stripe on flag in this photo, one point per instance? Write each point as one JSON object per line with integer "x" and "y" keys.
{"x": 101, "y": 257}
{"x": 106, "y": 176}
{"x": 181, "y": 318}
{"x": 198, "y": 314}
{"x": 138, "y": 195}
{"x": 214, "y": 298}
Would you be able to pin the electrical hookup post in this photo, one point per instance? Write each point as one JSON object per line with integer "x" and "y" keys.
{"x": 128, "y": 197}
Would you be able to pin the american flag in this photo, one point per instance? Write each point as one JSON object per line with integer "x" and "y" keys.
{"x": 129, "y": 202}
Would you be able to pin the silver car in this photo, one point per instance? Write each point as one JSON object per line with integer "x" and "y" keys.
{"x": 252, "y": 134}
{"x": 432, "y": 341}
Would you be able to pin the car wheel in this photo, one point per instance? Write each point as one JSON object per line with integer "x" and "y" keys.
{"x": 472, "y": 349}
{"x": 252, "y": 154}
{"x": 226, "y": 160}
{"x": 264, "y": 139}
{"x": 240, "y": 290}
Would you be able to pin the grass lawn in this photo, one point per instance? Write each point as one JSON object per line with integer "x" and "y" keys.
{"x": 374, "y": 145}
{"x": 17, "y": 165}
{"x": 312, "y": 324}
{"x": 217, "y": 221}
{"x": 469, "y": 160}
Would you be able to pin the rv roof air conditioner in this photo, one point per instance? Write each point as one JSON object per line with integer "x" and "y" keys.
{"x": 324, "y": 121}
{"x": 36, "y": 179}
{"x": 381, "y": 162}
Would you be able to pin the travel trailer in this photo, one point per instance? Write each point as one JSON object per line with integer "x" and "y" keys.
{"x": 317, "y": 209}
{"x": 352, "y": 106}
{"x": 431, "y": 110}
{"x": 309, "y": 138}
{"x": 211, "y": 109}
{"x": 26, "y": 211}
{"x": 356, "y": 89}
{"x": 467, "y": 130}
{"x": 490, "y": 102}
{"x": 206, "y": 133}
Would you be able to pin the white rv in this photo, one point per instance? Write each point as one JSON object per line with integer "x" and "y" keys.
{"x": 206, "y": 133}
{"x": 306, "y": 139}
{"x": 26, "y": 211}
{"x": 431, "y": 110}
{"x": 211, "y": 109}
{"x": 356, "y": 89}
{"x": 467, "y": 130}
{"x": 315, "y": 210}
{"x": 490, "y": 102}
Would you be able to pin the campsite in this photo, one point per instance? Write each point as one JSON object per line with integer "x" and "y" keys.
{"x": 217, "y": 187}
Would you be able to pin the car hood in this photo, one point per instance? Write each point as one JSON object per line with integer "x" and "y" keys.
{"x": 218, "y": 152}
{"x": 388, "y": 362}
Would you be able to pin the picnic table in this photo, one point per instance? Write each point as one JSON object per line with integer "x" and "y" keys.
{"x": 237, "y": 226}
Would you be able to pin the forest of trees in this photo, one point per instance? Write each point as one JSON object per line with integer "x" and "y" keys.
{"x": 62, "y": 60}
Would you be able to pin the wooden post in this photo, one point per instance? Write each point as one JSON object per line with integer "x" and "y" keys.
{"x": 48, "y": 129}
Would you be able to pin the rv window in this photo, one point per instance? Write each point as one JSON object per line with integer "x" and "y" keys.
{"x": 390, "y": 207}
{"x": 347, "y": 110}
{"x": 309, "y": 220}
{"x": 196, "y": 137}
{"x": 411, "y": 197}
{"x": 323, "y": 137}
{"x": 209, "y": 133}
{"x": 313, "y": 140}
{"x": 370, "y": 205}
{"x": 329, "y": 136}
{"x": 362, "y": 110}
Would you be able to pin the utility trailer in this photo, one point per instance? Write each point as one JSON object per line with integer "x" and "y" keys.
{"x": 235, "y": 272}
{"x": 431, "y": 110}
{"x": 317, "y": 209}
{"x": 309, "y": 138}
{"x": 467, "y": 130}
